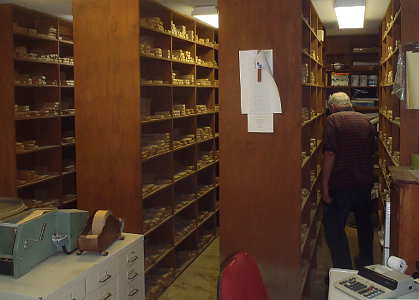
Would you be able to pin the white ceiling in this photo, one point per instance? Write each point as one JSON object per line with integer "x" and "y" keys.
{"x": 185, "y": 6}
{"x": 375, "y": 11}
{"x": 61, "y": 8}
{"x": 374, "y": 14}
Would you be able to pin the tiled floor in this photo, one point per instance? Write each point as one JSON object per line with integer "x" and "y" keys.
{"x": 199, "y": 281}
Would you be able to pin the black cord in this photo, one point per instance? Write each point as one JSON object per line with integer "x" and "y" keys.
{"x": 67, "y": 252}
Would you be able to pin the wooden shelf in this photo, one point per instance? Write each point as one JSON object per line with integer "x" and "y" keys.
{"x": 30, "y": 183}
{"x": 396, "y": 123}
{"x": 337, "y": 87}
{"x": 313, "y": 222}
{"x": 391, "y": 26}
{"x": 44, "y": 129}
{"x": 390, "y": 55}
{"x": 389, "y": 154}
{"x": 179, "y": 86}
{"x": 18, "y": 118}
{"x": 306, "y": 269}
{"x": 387, "y": 84}
{"x": 36, "y": 85}
{"x": 39, "y": 149}
{"x": 66, "y": 42}
{"x": 35, "y": 36}
{"x": 313, "y": 85}
{"x": 307, "y": 159}
{"x": 177, "y": 118}
{"x": 35, "y": 60}
{"x": 305, "y": 123}
{"x": 177, "y": 61}
{"x": 311, "y": 29}
{"x": 313, "y": 128}
{"x": 312, "y": 189}
{"x": 312, "y": 58}
{"x": 167, "y": 33}
{"x": 174, "y": 181}
{"x": 159, "y": 259}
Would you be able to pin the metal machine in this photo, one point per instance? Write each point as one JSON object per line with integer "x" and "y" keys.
{"x": 376, "y": 282}
{"x": 29, "y": 236}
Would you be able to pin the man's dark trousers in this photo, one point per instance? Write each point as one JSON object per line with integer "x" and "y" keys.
{"x": 357, "y": 200}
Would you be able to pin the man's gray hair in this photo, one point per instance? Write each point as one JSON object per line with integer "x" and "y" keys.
{"x": 339, "y": 99}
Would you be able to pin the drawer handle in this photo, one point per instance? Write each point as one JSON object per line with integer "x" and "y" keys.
{"x": 108, "y": 296}
{"x": 132, "y": 259}
{"x": 108, "y": 276}
{"x": 133, "y": 292}
{"x": 132, "y": 276}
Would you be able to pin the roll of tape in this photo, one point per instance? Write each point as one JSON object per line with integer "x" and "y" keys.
{"x": 397, "y": 264}
{"x": 99, "y": 221}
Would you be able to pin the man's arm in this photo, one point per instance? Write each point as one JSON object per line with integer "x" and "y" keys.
{"x": 329, "y": 157}
{"x": 328, "y": 163}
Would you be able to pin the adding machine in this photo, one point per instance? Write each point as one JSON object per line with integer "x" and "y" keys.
{"x": 29, "y": 236}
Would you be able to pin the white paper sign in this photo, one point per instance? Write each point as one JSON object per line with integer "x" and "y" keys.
{"x": 412, "y": 60}
{"x": 258, "y": 97}
{"x": 260, "y": 123}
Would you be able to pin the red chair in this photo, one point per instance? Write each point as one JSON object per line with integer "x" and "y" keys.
{"x": 240, "y": 280}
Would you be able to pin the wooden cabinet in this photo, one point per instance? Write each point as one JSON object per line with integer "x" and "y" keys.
{"x": 87, "y": 277}
{"x": 271, "y": 182}
{"x": 404, "y": 240}
{"x": 148, "y": 146}
{"x": 37, "y": 109}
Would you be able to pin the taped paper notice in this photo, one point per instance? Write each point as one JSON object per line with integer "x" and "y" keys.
{"x": 259, "y": 91}
{"x": 260, "y": 123}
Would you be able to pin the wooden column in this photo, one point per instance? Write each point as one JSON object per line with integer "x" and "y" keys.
{"x": 7, "y": 113}
{"x": 409, "y": 135}
{"x": 106, "y": 38}
{"x": 404, "y": 223}
{"x": 260, "y": 173}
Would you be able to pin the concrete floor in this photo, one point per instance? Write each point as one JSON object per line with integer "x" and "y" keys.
{"x": 199, "y": 281}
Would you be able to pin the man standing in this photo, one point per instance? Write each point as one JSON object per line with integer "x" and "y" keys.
{"x": 347, "y": 180}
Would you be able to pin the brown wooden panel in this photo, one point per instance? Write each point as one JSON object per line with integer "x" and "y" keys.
{"x": 7, "y": 114}
{"x": 406, "y": 240}
{"x": 107, "y": 101}
{"x": 260, "y": 175}
{"x": 409, "y": 138}
{"x": 345, "y": 44}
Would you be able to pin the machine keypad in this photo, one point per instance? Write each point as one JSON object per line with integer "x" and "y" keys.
{"x": 369, "y": 292}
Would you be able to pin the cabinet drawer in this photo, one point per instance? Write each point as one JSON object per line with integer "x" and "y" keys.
{"x": 133, "y": 256}
{"x": 102, "y": 275}
{"x": 106, "y": 292}
{"x": 73, "y": 291}
{"x": 134, "y": 289}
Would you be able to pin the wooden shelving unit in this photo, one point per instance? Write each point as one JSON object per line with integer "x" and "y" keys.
{"x": 37, "y": 109}
{"x": 389, "y": 108}
{"x": 313, "y": 117}
{"x": 179, "y": 136}
{"x": 340, "y": 49}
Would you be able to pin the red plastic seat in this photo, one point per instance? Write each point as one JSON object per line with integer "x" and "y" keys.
{"x": 241, "y": 280}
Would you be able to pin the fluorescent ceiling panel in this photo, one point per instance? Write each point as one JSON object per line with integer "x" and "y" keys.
{"x": 350, "y": 13}
{"x": 207, "y": 14}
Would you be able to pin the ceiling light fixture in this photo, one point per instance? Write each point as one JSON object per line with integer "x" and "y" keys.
{"x": 207, "y": 14}
{"x": 350, "y": 13}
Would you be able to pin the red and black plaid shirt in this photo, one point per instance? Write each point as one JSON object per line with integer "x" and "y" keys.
{"x": 353, "y": 139}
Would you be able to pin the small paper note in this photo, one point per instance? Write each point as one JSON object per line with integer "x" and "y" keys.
{"x": 412, "y": 60}
{"x": 260, "y": 123}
